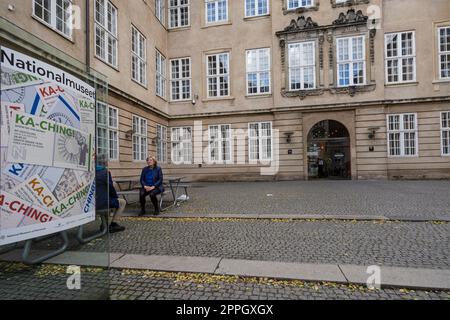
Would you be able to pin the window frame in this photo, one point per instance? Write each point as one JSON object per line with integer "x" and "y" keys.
{"x": 160, "y": 11}
{"x": 256, "y": 9}
{"x": 218, "y": 75}
{"x": 109, "y": 129}
{"x": 260, "y": 140}
{"x": 161, "y": 143}
{"x": 220, "y": 140}
{"x": 258, "y": 71}
{"x": 299, "y": 6}
{"x": 141, "y": 137}
{"x": 400, "y": 57}
{"x": 53, "y": 18}
{"x": 178, "y": 8}
{"x": 107, "y": 33}
{"x": 162, "y": 80}
{"x": 402, "y": 132}
{"x": 216, "y": 13}
{"x": 180, "y": 79}
{"x": 314, "y": 65}
{"x": 138, "y": 57}
{"x": 181, "y": 142}
{"x": 444, "y": 129}
{"x": 440, "y": 53}
{"x": 351, "y": 61}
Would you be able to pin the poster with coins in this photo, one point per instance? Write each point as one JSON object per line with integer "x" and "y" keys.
{"x": 47, "y": 177}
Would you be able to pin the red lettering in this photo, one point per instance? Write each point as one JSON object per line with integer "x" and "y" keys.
{"x": 2, "y": 199}
{"x": 44, "y": 92}
{"x": 36, "y": 214}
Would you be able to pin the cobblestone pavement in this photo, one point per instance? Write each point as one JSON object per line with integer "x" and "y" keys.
{"x": 393, "y": 199}
{"x": 401, "y": 244}
{"x": 48, "y": 282}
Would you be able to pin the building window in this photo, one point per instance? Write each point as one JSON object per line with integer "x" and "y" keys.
{"x": 444, "y": 53}
{"x": 220, "y": 143}
{"x": 218, "y": 75}
{"x": 57, "y": 14}
{"x": 180, "y": 79}
{"x": 293, "y": 4}
{"x": 216, "y": 10}
{"x": 161, "y": 143}
{"x": 160, "y": 10}
{"x": 138, "y": 56}
{"x": 107, "y": 131}
{"x": 182, "y": 145}
{"x": 255, "y": 8}
{"x": 445, "y": 132}
{"x": 258, "y": 71}
{"x": 302, "y": 66}
{"x": 160, "y": 75}
{"x": 260, "y": 141}
{"x": 351, "y": 61}
{"x": 139, "y": 138}
{"x": 400, "y": 57}
{"x": 106, "y": 32}
{"x": 178, "y": 13}
{"x": 402, "y": 134}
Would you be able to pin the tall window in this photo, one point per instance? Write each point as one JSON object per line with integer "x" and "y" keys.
{"x": 256, "y": 8}
{"x": 107, "y": 131}
{"x": 218, "y": 75}
{"x": 138, "y": 56}
{"x": 444, "y": 52}
{"x": 161, "y": 143}
{"x": 293, "y": 4}
{"x": 220, "y": 143}
{"x": 445, "y": 129}
{"x": 106, "y": 32}
{"x": 160, "y": 75}
{"x": 139, "y": 138}
{"x": 57, "y": 14}
{"x": 302, "y": 66}
{"x": 400, "y": 57}
{"x": 258, "y": 71}
{"x": 216, "y": 10}
{"x": 160, "y": 10}
{"x": 182, "y": 145}
{"x": 402, "y": 134}
{"x": 180, "y": 79}
{"x": 260, "y": 141}
{"x": 351, "y": 60}
{"x": 178, "y": 13}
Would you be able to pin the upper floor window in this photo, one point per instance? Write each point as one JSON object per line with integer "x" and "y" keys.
{"x": 302, "y": 66}
{"x": 57, "y": 14}
{"x": 161, "y": 143}
{"x": 139, "y": 138}
{"x": 260, "y": 141}
{"x": 218, "y": 75}
{"x": 138, "y": 56}
{"x": 445, "y": 132}
{"x": 400, "y": 56}
{"x": 351, "y": 61}
{"x": 106, "y": 32}
{"x": 256, "y": 8}
{"x": 160, "y": 75}
{"x": 293, "y": 4}
{"x": 444, "y": 52}
{"x": 258, "y": 71}
{"x": 108, "y": 131}
{"x": 216, "y": 10}
{"x": 178, "y": 13}
{"x": 180, "y": 79}
{"x": 160, "y": 10}
{"x": 402, "y": 134}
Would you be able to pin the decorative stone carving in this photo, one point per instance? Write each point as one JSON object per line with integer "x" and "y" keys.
{"x": 350, "y": 17}
{"x": 321, "y": 41}
{"x": 301, "y": 24}
{"x": 353, "y": 90}
{"x": 348, "y": 3}
{"x": 302, "y": 94}
{"x": 372, "y": 34}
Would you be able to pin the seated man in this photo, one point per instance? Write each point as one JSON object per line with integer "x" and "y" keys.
{"x": 152, "y": 184}
{"x": 106, "y": 196}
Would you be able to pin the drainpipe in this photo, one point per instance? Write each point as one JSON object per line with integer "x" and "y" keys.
{"x": 88, "y": 36}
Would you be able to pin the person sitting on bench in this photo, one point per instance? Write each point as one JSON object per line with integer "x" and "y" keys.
{"x": 106, "y": 196}
{"x": 152, "y": 184}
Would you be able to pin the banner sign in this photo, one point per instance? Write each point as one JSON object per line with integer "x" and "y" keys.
{"x": 47, "y": 177}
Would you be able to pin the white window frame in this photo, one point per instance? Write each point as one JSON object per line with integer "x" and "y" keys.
{"x": 67, "y": 20}
{"x": 218, "y": 75}
{"x": 440, "y": 53}
{"x": 399, "y": 58}
{"x": 216, "y": 11}
{"x": 184, "y": 143}
{"x": 221, "y": 158}
{"x": 256, "y": 9}
{"x": 137, "y": 73}
{"x": 160, "y": 11}
{"x": 178, "y": 8}
{"x": 259, "y": 140}
{"x": 351, "y": 61}
{"x": 113, "y": 35}
{"x": 180, "y": 79}
{"x": 160, "y": 75}
{"x": 445, "y": 130}
{"x": 301, "y": 45}
{"x": 161, "y": 143}
{"x": 290, "y": 4}
{"x": 139, "y": 132}
{"x": 402, "y": 132}
{"x": 112, "y": 145}
{"x": 258, "y": 70}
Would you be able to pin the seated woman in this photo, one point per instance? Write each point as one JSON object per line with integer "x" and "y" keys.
{"x": 152, "y": 184}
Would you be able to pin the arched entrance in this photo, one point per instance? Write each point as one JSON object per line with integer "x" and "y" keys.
{"x": 329, "y": 151}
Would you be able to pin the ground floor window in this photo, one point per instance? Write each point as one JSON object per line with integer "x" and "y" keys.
{"x": 402, "y": 134}
{"x": 445, "y": 129}
{"x": 161, "y": 143}
{"x": 220, "y": 143}
{"x": 181, "y": 145}
{"x": 139, "y": 138}
{"x": 260, "y": 141}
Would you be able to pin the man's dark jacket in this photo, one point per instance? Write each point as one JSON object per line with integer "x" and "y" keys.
{"x": 105, "y": 191}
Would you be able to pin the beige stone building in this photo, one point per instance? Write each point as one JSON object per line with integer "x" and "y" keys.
{"x": 219, "y": 89}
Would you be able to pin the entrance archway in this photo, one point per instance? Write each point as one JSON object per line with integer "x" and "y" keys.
{"x": 329, "y": 151}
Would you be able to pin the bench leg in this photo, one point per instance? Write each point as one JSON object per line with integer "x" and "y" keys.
{"x": 80, "y": 237}
{"x": 26, "y": 250}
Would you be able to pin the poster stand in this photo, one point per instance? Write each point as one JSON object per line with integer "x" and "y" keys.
{"x": 104, "y": 230}
{"x": 27, "y": 248}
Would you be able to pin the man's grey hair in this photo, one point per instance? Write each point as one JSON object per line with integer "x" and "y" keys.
{"x": 102, "y": 160}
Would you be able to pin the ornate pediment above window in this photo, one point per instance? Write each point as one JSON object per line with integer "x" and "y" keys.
{"x": 286, "y": 10}
{"x": 301, "y": 24}
{"x": 352, "y": 17}
{"x": 353, "y": 90}
{"x": 302, "y": 94}
{"x": 348, "y": 3}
